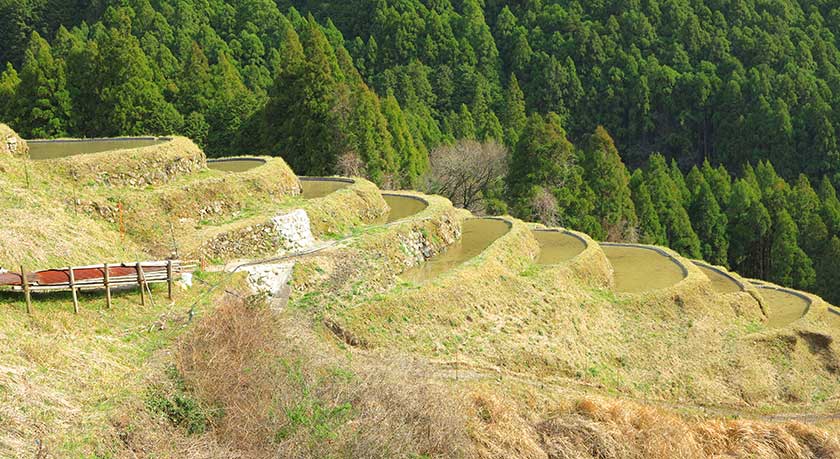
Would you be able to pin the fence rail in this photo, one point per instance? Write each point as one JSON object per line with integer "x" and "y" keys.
{"x": 96, "y": 277}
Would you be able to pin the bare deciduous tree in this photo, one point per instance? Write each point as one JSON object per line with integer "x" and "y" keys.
{"x": 544, "y": 205}
{"x": 465, "y": 171}
{"x": 350, "y": 165}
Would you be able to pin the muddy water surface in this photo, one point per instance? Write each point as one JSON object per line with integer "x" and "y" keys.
{"x": 319, "y": 188}
{"x": 638, "y": 270}
{"x": 401, "y": 207}
{"x": 721, "y": 283}
{"x": 557, "y": 246}
{"x": 235, "y": 165}
{"x": 477, "y": 234}
{"x": 783, "y": 307}
{"x": 63, "y": 148}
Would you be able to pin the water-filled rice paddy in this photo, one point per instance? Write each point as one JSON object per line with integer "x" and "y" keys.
{"x": 557, "y": 246}
{"x": 235, "y": 164}
{"x": 782, "y": 306}
{"x": 40, "y": 150}
{"x": 638, "y": 269}
{"x": 318, "y": 188}
{"x": 720, "y": 282}
{"x": 477, "y": 234}
{"x": 401, "y": 207}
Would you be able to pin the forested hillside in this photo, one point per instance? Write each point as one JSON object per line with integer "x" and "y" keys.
{"x": 725, "y": 111}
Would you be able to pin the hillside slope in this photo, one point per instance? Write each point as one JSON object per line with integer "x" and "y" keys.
{"x": 493, "y": 355}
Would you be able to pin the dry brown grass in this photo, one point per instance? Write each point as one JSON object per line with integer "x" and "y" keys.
{"x": 607, "y": 430}
{"x": 287, "y": 393}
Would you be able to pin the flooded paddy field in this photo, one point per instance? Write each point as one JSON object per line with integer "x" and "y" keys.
{"x": 40, "y": 150}
{"x": 477, "y": 234}
{"x": 557, "y": 246}
{"x": 319, "y": 187}
{"x": 720, "y": 282}
{"x": 402, "y": 206}
{"x": 234, "y": 164}
{"x": 783, "y": 306}
{"x": 639, "y": 269}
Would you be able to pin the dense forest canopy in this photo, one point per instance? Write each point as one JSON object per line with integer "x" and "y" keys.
{"x": 725, "y": 111}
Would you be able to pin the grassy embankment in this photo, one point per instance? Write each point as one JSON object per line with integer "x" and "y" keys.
{"x": 498, "y": 358}
{"x": 66, "y": 380}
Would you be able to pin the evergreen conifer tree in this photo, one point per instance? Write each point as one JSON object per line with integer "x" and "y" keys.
{"x": 830, "y": 206}
{"x": 412, "y": 162}
{"x": 828, "y": 271}
{"x": 667, "y": 199}
{"x": 789, "y": 264}
{"x": 513, "y": 112}
{"x": 748, "y": 227}
{"x": 607, "y": 177}
{"x": 9, "y": 82}
{"x": 710, "y": 223}
{"x": 42, "y": 102}
{"x": 650, "y": 230}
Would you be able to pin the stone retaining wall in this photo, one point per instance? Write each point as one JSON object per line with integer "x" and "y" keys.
{"x": 11, "y": 144}
{"x": 135, "y": 167}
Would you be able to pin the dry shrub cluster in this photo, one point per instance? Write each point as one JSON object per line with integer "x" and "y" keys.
{"x": 285, "y": 392}
{"x": 627, "y": 431}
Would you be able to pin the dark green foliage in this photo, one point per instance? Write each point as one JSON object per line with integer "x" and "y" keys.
{"x": 609, "y": 181}
{"x": 789, "y": 265}
{"x": 830, "y": 206}
{"x": 749, "y": 226}
{"x": 740, "y": 82}
{"x": 513, "y": 113}
{"x": 650, "y": 230}
{"x": 543, "y": 173}
{"x": 9, "y": 81}
{"x": 299, "y": 120}
{"x": 828, "y": 271}
{"x": 708, "y": 220}
{"x": 42, "y": 105}
{"x": 667, "y": 200}
{"x": 412, "y": 161}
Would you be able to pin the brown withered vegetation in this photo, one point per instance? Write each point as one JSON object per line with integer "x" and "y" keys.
{"x": 288, "y": 389}
{"x": 624, "y": 430}
{"x": 284, "y": 394}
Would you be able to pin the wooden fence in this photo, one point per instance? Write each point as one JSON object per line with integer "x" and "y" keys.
{"x": 96, "y": 277}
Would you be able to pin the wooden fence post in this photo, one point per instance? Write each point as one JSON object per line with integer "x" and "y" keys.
{"x": 107, "y": 286}
{"x": 75, "y": 293}
{"x": 140, "y": 282}
{"x": 25, "y": 282}
{"x": 122, "y": 223}
{"x": 169, "y": 277}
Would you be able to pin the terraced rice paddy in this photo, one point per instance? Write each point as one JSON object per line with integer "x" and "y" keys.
{"x": 235, "y": 164}
{"x": 833, "y": 317}
{"x": 477, "y": 234}
{"x": 401, "y": 207}
{"x": 318, "y": 188}
{"x": 720, "y": 282}
{"x": 639, "y": 269}
{"x": 782, "y": 306}
{"x": 557, "y": 246}
{"x": 40, "y": 150}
